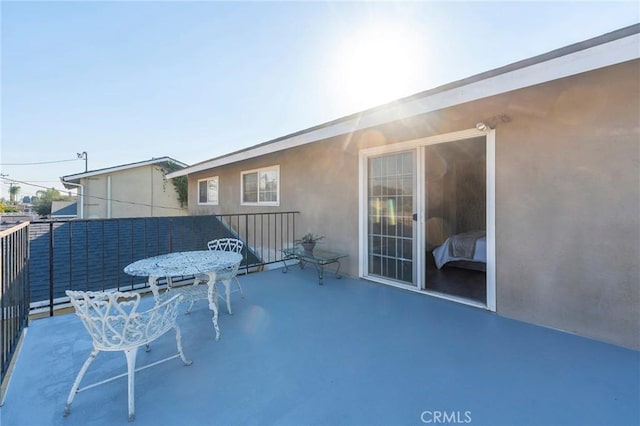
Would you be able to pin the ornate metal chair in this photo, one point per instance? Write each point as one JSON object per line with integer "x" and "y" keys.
{"x": 225, "y": 276}
{"x": 114, "y": 324}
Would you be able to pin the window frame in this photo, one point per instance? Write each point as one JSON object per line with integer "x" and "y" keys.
{"x": 209, "y": 202}
{"x": 275, "y": 169}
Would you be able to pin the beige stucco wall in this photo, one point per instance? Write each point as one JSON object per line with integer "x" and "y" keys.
{"x": 568, "y": 206}
{"x": 567, "y": 197}
{"x": 135, "y": 192}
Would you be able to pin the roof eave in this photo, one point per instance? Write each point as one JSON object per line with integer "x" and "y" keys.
{"x": 75, "y": 178}
{"x": 609, "y": 49}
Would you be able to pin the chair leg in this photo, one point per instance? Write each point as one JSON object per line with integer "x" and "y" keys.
{"x": 131, "y": 374}
{"x": 239, "y": 287}
{"x": 76, "y": 383}
{"x": 227, "y": 294}
{"x": 188, "y": 311}
{"x": 179, "y": 343}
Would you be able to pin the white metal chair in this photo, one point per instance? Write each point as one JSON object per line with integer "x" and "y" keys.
{"x": 114, "y": 324}
{"x": 224, "y": 276}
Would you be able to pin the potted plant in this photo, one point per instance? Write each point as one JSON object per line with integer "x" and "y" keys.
{"x": 308, "y": 241}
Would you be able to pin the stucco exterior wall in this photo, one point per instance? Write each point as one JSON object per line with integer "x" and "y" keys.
{"x": 567, "y": 197}
{"x": 135, "y": 192}
{"x": 308, "y": 175}
{"x": 568, "y": 206}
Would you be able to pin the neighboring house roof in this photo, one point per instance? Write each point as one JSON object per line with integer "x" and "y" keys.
{"x": 609, "y": 49}
{"x": 75, "y": 178}
{"x": 64, "y": 209}
{"x": 9, "y": 220}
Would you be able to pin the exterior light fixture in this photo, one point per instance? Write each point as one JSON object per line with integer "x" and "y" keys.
{"x": 481, "y": 126}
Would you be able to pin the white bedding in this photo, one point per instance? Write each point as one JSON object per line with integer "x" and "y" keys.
{"x": 442, "y": 254}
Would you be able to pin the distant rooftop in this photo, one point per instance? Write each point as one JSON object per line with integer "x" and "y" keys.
{"x": 64, "y": 209}
{"x": 76, "y": 177}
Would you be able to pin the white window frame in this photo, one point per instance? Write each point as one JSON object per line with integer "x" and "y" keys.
{"x": 209, "y": 202}
{"x": 258, "y": 202}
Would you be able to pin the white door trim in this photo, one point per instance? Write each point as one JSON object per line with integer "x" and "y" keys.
{"x": 419, "y": 260}
{"x": 491, "y": 219}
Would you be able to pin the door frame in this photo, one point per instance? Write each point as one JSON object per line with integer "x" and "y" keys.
{"x": 417, "y": 145}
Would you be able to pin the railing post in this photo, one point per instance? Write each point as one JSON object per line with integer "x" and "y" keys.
{"x": 51, "y": 269}
{"x": 27, "y": 270}
{"x": 246, "y": 229}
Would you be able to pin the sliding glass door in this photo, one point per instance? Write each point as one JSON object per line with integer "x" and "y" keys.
{"x": 390, "y": 225}
{"x": 428, "y": 216}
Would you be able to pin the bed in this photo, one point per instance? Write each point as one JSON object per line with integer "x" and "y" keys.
{"x": 467, "y": 250}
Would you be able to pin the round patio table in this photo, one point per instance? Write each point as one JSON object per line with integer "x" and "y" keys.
{"x": 187, "y": 263}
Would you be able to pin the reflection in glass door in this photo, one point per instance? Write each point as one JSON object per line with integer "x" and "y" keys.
{"x": 390, "y": 225}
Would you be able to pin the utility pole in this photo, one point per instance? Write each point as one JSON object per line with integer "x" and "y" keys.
{"x": 84, "y": 156}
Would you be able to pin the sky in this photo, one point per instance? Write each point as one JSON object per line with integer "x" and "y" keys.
{"x": 129, "y": 81}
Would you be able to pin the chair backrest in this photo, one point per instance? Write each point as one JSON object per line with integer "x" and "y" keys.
{"x": 226, "y": 244}
{"x": 113, "y": 322}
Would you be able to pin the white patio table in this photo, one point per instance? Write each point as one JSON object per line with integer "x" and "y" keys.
{"x": 186, "y": 263}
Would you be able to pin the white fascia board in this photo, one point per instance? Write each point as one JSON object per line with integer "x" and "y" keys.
{"x": 78, "y": 176}
{"x": 599, "y": 56}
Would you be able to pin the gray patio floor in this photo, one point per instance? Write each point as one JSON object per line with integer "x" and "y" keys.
{"x": 347, "y": 353}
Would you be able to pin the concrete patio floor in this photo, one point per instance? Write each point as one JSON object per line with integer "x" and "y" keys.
{"x": 349, "y": 352}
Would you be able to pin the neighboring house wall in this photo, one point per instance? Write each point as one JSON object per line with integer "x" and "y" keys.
{"x": 135, "y": 192}
{"x": 567, "y": 196}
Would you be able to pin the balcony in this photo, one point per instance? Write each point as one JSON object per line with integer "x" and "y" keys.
{"x": 349, "y": 352}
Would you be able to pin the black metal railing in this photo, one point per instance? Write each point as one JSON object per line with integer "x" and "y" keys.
{"x": 14, "y": 290}
{"x": 91, "y": 254}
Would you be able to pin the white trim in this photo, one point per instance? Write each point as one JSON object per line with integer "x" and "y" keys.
{"x": 66, "y": 179}
{"x": 595, "y": 57}
{"x": 209, "y": 203}
{"x": 429, "y": 140}
{"x": 419, "y": 243}
{"x": 491, "y": 220}
{"x": 275, "y": 168}
{"x": 363, "y": 206}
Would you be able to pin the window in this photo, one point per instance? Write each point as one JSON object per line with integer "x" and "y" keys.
{"x": 208, "y": 191}
{"x": 261, "y": 187}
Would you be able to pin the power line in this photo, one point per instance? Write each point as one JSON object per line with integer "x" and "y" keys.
{"x": 40, "y": 162}
{"x": 94, "y": 196}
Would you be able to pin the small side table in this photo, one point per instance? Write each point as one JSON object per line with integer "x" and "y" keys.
{"x": 318, "y": 258}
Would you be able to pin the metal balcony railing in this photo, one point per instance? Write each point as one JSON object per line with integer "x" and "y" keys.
{"x": 14, "y": 290}
{"x": 91, "y": 254}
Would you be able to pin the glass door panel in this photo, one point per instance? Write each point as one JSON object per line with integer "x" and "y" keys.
{"x": 390, "y": 193}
